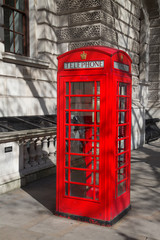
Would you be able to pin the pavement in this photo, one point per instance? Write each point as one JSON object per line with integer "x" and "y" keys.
{"x": 27, "y": 214}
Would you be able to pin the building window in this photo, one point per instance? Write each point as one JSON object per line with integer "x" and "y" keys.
{"x": 16, "y": 26}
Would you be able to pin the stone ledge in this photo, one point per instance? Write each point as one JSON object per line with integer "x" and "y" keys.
{"x": 21, "y": 180}
{"x": 19, "y": 135}
{"x": 23, "y": 60}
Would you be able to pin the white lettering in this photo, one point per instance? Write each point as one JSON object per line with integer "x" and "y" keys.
{"x": 86, "y": 64}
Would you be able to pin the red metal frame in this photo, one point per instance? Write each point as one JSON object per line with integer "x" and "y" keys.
{"x": 93, "y": 167}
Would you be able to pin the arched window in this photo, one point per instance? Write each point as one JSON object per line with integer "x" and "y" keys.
{"x": 16, "y": 26}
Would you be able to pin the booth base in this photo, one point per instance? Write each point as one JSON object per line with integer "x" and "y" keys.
{"x": 92, "y": 220}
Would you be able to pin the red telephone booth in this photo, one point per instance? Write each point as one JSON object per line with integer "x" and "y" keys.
{"x": 93, "y": 134}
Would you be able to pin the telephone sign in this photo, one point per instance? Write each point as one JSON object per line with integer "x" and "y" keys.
{"x": 93, "y": 134}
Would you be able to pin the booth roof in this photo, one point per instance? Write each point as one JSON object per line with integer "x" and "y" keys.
{"x": 106, "y": 50}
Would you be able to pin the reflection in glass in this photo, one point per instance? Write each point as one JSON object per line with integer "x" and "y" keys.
{"x": 121, "y": 160}
{"x": 98, "y": 103}
{"x": 20, "y": 4}
{"x": 66, "y": 188}
{"x": 122, "y": 103}
{"x": 9, "y": 41}
{"x": 82, "y": 147}
{"x": 66, "y": 174}
{"x": 82, "y": 118}
{"x": 8, "y": 18}
{"x": 67, "y": 88}
{"x": 97, "y": 178}
{"x": 81, "y": 176}
{"x": 98, "y": 117}
{"x": 81, "y": 191}
{"x": 121, "y": 174}
{"x": 98, "y": 88}
{"x": 78, "y": 161}
{"x": 122, "y": 89}
{"x": 84, "y": 88}
{"x": 82, "y": 103}
{"x": 66, "y": 160}
{"x": 121, "y": 117}
{"x": 18, "y": 21}
{"x": 84, "y": 132}
{"x": 67, "y": 146}
{"x": 19, "y": 44}
{"x": 67, "y": 102}
{"x": 121, "y": 188}
{"x": 122, "y": 131}
{"x": 121, "y": 146}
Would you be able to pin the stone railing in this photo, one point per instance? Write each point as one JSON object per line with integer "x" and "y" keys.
{"x": 39, "y": 150}
{"x": 26, "y": 154}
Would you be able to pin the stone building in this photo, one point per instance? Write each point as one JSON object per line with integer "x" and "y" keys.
{"x": 34, "y": 32}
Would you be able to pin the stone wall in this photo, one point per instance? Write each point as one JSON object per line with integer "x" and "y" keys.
{"x": 113, "y": 23}
{"x": 153, "y": 108}
{"x": 28, "y": 84}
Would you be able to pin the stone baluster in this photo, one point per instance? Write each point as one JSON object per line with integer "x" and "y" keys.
{"x": 52, "y": 150}
{"x": 32, "y": 154}
{"x": 45, "y": 150}
{"x": 26, "y": 155}
{"x": 39, "y": 155}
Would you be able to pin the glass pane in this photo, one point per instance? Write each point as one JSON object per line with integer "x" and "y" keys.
{"x": 67, "y": 146}
{"x": 67, "y": 102}
{"x": 67, "y": 129}
{"x": 19, "y": 44}
{"x": 82, "y": 161}
{"x": 9, "y": 41}
{"x": 67, "y": 88}
{"x": 8, "y": 18}
{"x": 81, "y": 176}
{"x": 84, "y": 88}
{"x": 66, "y": 188}
{"x": 82, "y": 147}
{"x": 18, "y": 21}
{"x": 97, "y": 165}
{"x": 121, "y": 188}
{"x": 122, "y": 89}
{"x": 20, "y": 4}
{"x": 66, "y": 174}
{"x": 9, "y": 2}
{"x": 98, "y": 88}
{"x": 84, "y": 132}
{"x": 66, "y": 160}
{"x": 122, "y": 131}
{"x": 97, "y": 178}
{"x": 121, "y": 174}
{"x": 121, "y": 117}
{"x": 81, "y": 191}
{"x": 82, "y": 118}
{"x": 82, "y": 103}
{"x": 121, "y": 159}
{"x": 98, "y": 103}
{"x": 121, "y": 146}
{"x": 98, "y": 117}
{"x": 67, "y": 117}
{"x": 122, "y": 103}
{"x": 97, "y": 133}
{"x": 97, "y": 193}
{"x": 97, "y": 148}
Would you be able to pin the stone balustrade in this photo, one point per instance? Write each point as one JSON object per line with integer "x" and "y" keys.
{"x": 26, "y": 156}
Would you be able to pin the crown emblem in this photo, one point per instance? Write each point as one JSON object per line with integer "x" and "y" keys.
{"x": 83, "y": 55}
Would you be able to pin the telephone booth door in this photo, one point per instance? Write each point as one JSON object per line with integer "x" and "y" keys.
{"x": 81, "y": 158}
